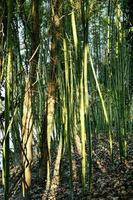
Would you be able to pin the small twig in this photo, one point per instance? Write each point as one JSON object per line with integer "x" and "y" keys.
{"x": 34, "y": 53}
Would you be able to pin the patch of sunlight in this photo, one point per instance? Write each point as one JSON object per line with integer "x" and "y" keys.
{"x": 74, "y": 166}
{"x": 99, "y": 163}
{"x": 78, "y": 144}
{"x": 56, "y": 178}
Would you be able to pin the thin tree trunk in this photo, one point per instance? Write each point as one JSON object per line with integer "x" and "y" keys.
{"x": 27, "y": 119}
{"x": 7, "y": 103}
{"x": 27, "y": 122}
{"x": 47, "y": 122}
{"x": 3, "y": 33}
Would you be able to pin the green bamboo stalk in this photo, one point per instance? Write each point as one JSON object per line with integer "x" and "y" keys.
{"x": 6, "y": 172}
{"x": 74, "y": 29}
{"x": 102, "y": 101}
{"x": 68, "y": 111}
{"x": 6, "y": 140}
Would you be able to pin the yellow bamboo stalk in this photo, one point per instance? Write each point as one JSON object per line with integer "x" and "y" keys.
{"x": 74, "y": 29}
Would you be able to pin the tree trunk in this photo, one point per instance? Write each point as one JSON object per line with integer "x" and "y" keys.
{"x": 47, "y": 122}
{"x": 3, "y": 33}
{"x": 27, "y": 120}
{"x": 7, "y": 103}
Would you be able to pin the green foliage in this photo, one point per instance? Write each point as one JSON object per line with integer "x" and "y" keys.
{"x": 83, "y": 64}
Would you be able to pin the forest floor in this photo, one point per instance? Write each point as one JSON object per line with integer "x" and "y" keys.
{"x": 110, "y": 181}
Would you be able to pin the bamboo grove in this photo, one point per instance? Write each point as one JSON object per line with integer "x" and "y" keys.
{"x": 66, "y": 67}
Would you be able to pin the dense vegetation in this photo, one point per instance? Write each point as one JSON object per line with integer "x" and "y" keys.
{"x": 66, "y": 98}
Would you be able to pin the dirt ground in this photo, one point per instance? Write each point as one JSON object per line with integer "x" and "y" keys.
{"x": 110, "y": 180}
